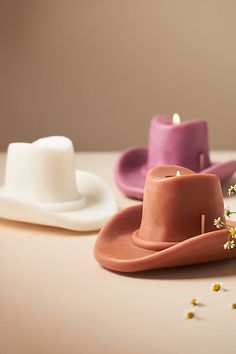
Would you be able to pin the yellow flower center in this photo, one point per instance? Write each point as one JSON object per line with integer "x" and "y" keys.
{"x": 234, "y": 306}
{"x": 190, "y": 315}
{"x": 216, "y": 287}
{"x": 233, "y": 231}
{"x": 194, "y": 302}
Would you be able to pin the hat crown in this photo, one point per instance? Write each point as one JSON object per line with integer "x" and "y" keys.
{"x": 173, "y": 207}
{"x": 179, "y": 144}
{"x": 43, "y": 171}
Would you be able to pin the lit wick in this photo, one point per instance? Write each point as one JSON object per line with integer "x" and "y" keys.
{"x": 176, "y": 119}
{"x": 177, "y": 174}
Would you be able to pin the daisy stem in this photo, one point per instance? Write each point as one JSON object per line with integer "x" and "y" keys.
{"x": 227, "y": 226}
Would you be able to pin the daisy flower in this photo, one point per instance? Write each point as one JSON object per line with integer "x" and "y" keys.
{"x": 228, "y": 212}
{"x": 232, "y": 190}
{"x": 229, "y": 244}
{"x": 190, "y": 314}
{"x": 232, "y": 306}
{"x": 218, "y": 223}
{"x": 217, "y": 287}
{"x": 194, "y": 301}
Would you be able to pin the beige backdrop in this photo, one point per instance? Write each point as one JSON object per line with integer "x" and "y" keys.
{"x": 95, "y": 70}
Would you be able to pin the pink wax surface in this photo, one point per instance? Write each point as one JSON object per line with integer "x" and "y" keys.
{"x": 178, "y": 144}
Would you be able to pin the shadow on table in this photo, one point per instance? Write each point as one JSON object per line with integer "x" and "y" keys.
{"x": 10, "y": 226}
{"x": 209, "y": 270}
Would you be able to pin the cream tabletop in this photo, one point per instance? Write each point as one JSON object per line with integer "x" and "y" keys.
{"x": 56, "y": 299}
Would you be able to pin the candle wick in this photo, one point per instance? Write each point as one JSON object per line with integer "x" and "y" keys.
{"x": 203, "y": 223}
{"x": 201, "y": 161}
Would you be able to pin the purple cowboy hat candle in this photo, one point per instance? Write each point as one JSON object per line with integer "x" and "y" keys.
{"x": 171, "y": 142}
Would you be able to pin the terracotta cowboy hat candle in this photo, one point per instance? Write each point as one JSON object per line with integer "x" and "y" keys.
{"x": 170, "y": 142}
{"x": 174, "y": 227}
{"x": 42, "y": 187}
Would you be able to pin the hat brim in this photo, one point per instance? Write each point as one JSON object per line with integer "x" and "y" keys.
{"x": 99, "y": 206}
{"x": 115, "y": 250}
{"x": 129, "y": 172}
{"x": 132, "y": 165}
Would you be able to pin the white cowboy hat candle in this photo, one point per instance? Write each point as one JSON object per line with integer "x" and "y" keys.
{"x": 42, "y": 187}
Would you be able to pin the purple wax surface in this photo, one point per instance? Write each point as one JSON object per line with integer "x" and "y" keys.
{"x": 178, "y": 144}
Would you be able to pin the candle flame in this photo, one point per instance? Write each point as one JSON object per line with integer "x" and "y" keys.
{"x": 178, "y": 173}
{"x": 176, "y": 119}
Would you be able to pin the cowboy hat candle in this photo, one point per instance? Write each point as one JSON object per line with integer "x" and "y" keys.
{"x": 42, "y": 187}
{"x": 173, "y": 227}
{"x": 170, "y": 142}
